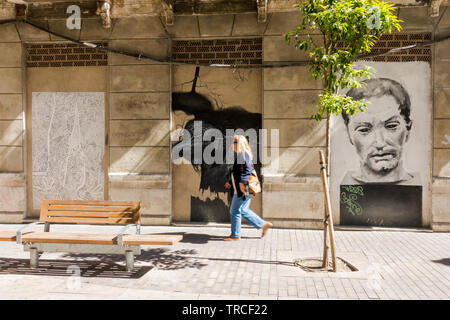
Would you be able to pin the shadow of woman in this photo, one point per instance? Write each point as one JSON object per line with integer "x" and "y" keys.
{"x": 199, "y": 238}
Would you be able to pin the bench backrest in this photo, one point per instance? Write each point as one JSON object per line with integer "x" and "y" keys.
{"x": 91, "y": 212}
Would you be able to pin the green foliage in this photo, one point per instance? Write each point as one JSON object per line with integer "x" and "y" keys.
{"x": 349, "y": 29}
{"x": 338, "y": 103}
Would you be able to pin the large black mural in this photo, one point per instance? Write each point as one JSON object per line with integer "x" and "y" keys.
{"x": 378, "y": 155}
{"x": 203, "y": 113}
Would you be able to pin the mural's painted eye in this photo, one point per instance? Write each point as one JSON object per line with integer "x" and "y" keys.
{"x": 392, "y": 125}
{"x": 364, "y": 129}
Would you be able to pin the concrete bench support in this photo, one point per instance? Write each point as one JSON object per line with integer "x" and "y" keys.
{"x": 129, "y": 257}
{"x": 34, "y": 258}
{"x": 36, "y": 248}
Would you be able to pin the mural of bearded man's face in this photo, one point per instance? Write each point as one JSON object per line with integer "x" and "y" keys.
{"x": 378, "y": 135}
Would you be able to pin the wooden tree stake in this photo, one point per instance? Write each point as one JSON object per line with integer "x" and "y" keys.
{"x": 328, "y": 222}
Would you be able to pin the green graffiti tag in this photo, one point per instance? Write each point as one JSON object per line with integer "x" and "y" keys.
{"x": 351, "y": 202}
{"x": 355, "y": 189}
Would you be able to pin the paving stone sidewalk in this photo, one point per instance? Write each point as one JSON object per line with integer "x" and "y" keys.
{"x": 391, "y": 264}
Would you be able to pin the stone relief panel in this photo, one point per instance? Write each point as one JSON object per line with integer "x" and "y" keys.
{"x": 68, "y": 143}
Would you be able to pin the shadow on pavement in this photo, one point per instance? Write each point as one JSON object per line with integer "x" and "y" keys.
{"x": 199, "y": 238}
{"x": 445, "y": 261}
{"x": 103, "y": 265}
{"x": 159, "y": 258}
{"x": 281, "y": 263}
{"x": 67, "y": 268}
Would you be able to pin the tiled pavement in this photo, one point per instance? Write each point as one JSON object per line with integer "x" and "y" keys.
{"x": 392, "y": 265}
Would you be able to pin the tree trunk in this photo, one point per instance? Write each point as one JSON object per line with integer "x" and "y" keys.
{"x": 325, "y": 242}
{"x": 328, "y": 221}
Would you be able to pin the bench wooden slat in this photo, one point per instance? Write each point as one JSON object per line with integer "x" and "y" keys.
{"x": 7, "y": 236}
{"x": 91, "y": 208}
{"x": 89, "y": 238}
{"x": 80, "y": 238}
{"x": 91, "y": 214}
{"x": 149, "y": 239}
{"x": 77, "y": 220}
{"x": 10, "y": 235}
{"x": 91, "y": 202}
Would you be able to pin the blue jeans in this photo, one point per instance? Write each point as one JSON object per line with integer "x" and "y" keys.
{"x": 241, "y": 208}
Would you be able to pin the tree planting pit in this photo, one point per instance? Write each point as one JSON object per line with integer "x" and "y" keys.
{"x": 315, "y": 265}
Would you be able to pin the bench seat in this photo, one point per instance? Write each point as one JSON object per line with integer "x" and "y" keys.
{"x": 101, "y": 212}
{"x": 8, "y": 235}
{"x": 91, "y": 238}
{"x": 11, "y": 235}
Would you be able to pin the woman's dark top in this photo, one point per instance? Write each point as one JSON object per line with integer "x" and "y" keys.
{"x": 242, "y": 170}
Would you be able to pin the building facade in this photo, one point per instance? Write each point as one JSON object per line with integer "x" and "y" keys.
{"x": 82, "y": 123}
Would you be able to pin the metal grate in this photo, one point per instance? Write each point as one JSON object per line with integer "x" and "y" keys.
{"x": 392, "y": 41}
{"x": 219, "y": 51}
{"x": 64, "y": 55}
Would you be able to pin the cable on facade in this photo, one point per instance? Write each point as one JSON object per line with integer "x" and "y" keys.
{"x": 264, "y": 66}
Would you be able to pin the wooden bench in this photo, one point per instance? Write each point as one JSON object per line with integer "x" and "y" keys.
{"x": 124, "y": 213}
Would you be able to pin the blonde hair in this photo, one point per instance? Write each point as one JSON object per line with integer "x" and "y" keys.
{"x": 242, "y": 145}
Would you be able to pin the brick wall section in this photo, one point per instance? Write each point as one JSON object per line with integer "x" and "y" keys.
{"x": 64, "y": 55}
{"x": 398, "y": 40}
{"x": 220, "y": 51}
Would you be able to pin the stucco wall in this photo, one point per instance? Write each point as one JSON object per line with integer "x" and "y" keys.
{"x": 441, "y": 132}
{"x": 225, "y": 89}
{"x": 139, "y": 118}
{"x": 292, "y": 194}
{"x": 12, "y": 181}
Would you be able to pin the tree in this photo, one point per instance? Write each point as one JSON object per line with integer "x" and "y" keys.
{"x": 349, "y": 28}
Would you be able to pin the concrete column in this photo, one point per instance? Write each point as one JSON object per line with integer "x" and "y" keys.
{"x": 34, "y": 258}
{"x": 12, "y": 185}
{"x": 292, "y": 195}
{"x": 129, "y": 256}
{"x": 441, "y": 132}
{"x": 139, "y": 118}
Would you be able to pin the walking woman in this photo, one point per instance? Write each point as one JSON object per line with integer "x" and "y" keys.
{"x": 240, "y": 205}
